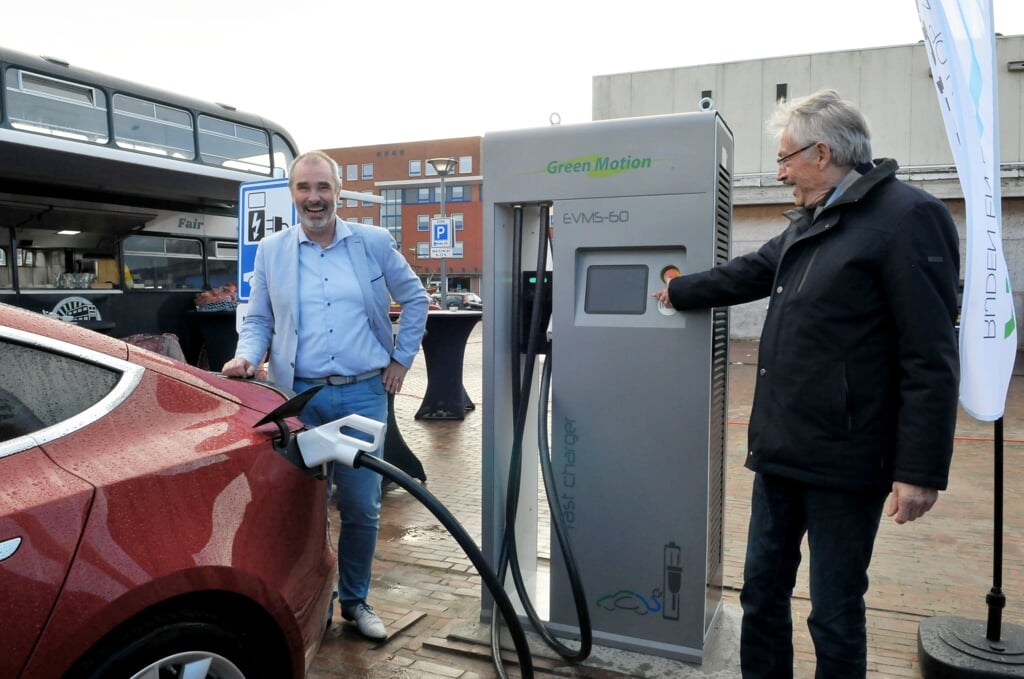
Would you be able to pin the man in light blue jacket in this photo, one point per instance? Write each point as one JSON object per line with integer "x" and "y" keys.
{"x": 319, "y": 302}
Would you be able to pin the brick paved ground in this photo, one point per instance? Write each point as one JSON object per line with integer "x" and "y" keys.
{"x": 428, "y": 593}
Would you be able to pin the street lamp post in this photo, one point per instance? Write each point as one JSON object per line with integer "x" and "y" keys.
{"x": 444, "y": 167}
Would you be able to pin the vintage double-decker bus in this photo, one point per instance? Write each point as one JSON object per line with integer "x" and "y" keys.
{"x": 118, "y": 201}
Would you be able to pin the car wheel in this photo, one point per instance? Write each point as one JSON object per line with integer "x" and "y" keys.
{"x": 188, "y": 643}
{"x": 191, "y": 664}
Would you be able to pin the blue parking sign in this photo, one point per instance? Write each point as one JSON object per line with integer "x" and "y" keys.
{"x": 441, "y": 235}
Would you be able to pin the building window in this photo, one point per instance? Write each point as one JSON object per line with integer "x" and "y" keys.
{"x": 465, "y": 164}
{"x": 396, "y": 234}
{"x": 423, "y": 222}
{"x": 351, "y": 202}
{"x": 391, "y": 213}
{"x": 458, "y": 194}
{"x": 415, "y": 168}
{"x": 367, "y": 170}
{"x": 781, "y": 91}
{"x": 423, "y": 195}
{"x": 351, "y": 173}
{"x": 368, "y": 221}
{"x": 368, "y": 203}
{"x": 457, "y": 220}
{"x": 423, "y": 250}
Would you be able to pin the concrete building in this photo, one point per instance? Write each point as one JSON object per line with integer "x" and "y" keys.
{"x": 400, "y": 174}
{"x": 894, "y": 89}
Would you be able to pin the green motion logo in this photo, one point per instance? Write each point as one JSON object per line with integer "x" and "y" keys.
{"x": 598, "y": 166}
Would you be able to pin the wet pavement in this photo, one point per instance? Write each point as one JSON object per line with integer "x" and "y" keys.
{"x": 428, "y": 593}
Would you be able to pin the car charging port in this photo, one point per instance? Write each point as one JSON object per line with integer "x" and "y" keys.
{"x": 287, "y": 443}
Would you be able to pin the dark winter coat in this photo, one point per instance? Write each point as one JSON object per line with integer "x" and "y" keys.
{"x": 858, "y": 366}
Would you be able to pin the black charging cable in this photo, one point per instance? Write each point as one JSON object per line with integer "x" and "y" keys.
{"x": 508, "y": 559}
{"x": 427, "y": 499}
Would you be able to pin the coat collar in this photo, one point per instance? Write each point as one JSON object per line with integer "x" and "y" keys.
{"x": 884, "y": 170}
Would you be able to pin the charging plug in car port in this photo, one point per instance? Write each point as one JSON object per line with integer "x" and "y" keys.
{"x": 287, "y": 443}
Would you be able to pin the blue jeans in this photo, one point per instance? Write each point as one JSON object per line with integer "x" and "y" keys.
{"x": 358, "y": 491}
{"x": 841, "y": 529}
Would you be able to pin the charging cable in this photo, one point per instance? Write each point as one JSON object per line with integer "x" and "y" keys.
{"x": 508, "y": 559}
{"x": 328, "y": 443}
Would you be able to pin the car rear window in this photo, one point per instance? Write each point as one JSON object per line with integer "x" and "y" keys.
{"x": 39, "y": 388}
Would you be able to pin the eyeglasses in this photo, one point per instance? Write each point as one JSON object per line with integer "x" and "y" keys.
{"x": 782, "y": 159}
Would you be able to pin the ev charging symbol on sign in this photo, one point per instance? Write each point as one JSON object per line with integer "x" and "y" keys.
{"x": 441, "y": 238}
{"x": 257, "y": 222}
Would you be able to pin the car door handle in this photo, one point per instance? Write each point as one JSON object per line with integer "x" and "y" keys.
{"x": 8, "y": 548}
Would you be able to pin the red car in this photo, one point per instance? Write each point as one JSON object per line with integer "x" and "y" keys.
{"x": 147, "y": 527}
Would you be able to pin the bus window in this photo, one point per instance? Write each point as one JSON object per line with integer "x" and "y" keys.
{"x": 149, "y": 127}
{"x": 34, "y": 270}
{"x": 239, "y": 147}
{"x": 38, "y": 103}
{"x": 284, "y": 154}
{"x": 5, "y": 270}
{"x": 162, "y": 263}
{"x": 222, "y": 263}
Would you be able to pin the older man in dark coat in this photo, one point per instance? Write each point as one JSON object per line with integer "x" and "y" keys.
{"x": 857, "y": 380}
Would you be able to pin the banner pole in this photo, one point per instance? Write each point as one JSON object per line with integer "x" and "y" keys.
{"x": 995, "y": 599}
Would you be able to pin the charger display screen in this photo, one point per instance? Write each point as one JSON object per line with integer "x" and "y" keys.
{"x": 616, "y": 289}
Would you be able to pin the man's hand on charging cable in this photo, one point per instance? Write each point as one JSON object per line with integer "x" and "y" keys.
{"x": 239, "y": 367}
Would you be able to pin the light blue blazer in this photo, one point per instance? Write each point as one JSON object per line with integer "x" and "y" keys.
{"x": 383, "y": 273}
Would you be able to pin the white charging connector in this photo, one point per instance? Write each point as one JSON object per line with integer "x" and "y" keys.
{"x": 327, "y": 443}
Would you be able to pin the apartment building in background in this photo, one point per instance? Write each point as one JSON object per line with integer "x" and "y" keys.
{"x": 411, "y": 191}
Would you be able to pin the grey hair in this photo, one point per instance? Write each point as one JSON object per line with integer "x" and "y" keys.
{"x": 826, "y": 117}
{"x": 323, "y": 158}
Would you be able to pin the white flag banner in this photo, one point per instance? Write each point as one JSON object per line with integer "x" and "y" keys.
{"x": 959, "y": 39}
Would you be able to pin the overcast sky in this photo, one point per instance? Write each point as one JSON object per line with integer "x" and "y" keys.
{"x": 339, "y": 74}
